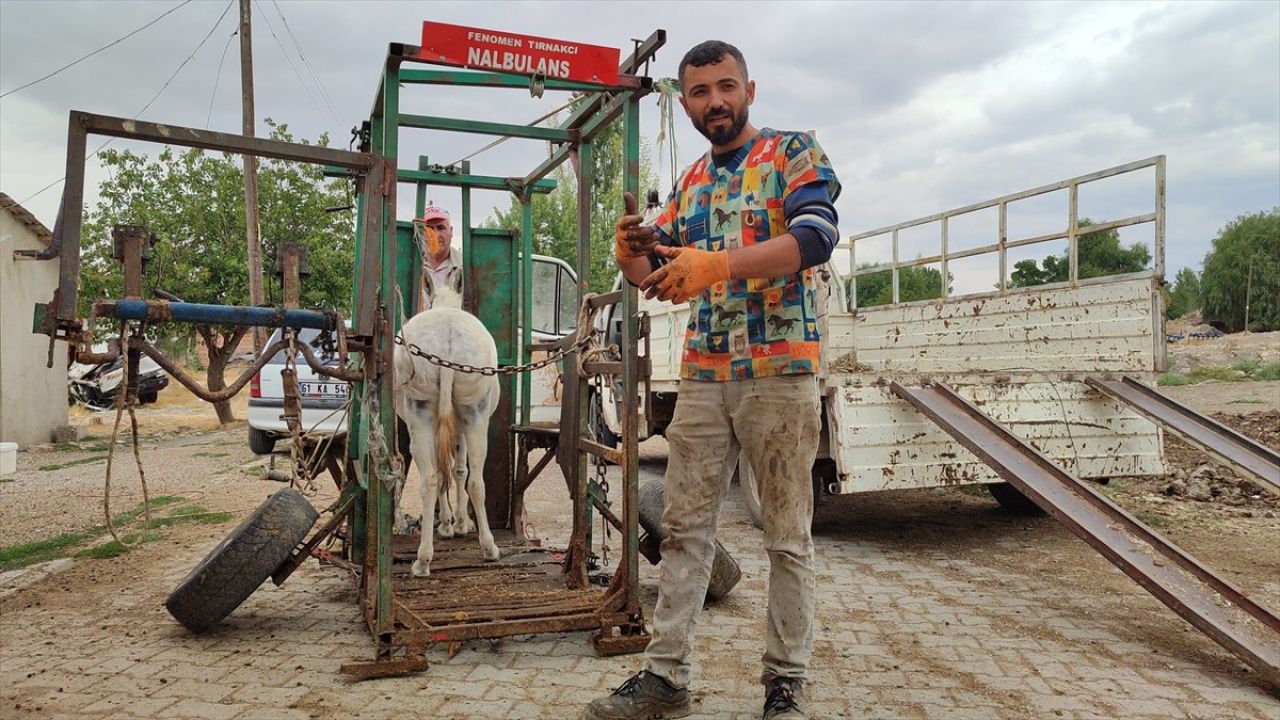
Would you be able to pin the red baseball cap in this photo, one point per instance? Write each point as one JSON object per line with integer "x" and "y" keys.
{"x": 434, "y": 212}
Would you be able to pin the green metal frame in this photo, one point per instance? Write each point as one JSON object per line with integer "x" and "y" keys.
{"x": 505, "y": 256}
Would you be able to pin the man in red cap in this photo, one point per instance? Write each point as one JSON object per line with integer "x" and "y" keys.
{"x": 434, "y": 235}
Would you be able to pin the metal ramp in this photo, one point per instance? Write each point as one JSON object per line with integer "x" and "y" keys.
{"x": 1208, "y": 602}
{"x": 1223, "y": 443}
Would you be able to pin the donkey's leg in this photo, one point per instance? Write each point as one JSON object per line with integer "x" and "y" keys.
{"x": 477, "y": 434}
{"x": 448, "y": 524}
{"x": 462, "y": 518}
{"x": 422, "y": 439}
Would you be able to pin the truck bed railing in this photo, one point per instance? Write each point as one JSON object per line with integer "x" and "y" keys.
{"x": 1004, "y": 243}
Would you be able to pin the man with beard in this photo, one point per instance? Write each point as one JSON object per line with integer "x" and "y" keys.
{"x": 738, "y": 238}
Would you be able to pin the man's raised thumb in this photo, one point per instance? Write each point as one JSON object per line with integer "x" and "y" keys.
{"x": 629, "y": 205}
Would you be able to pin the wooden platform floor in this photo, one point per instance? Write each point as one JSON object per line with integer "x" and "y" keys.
{"x": 526, "y": 583}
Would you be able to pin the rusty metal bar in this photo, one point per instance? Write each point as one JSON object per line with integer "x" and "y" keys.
{"x": 225, "y": 142}
{"x": 196, "y": 388}
{"x": 1159, "y": 566}
{"x": 384, "y": 668}
{"x": 501, "y": 628}
{"x": 642, "y": 54}
{"x": 1223, "y": 443}
{"x": 471, "y": 78}
{"x": 230, "y": 391}
{"x": 606, "y": 367}
{"x": 529, "y": 132}
{"x": 538, "y": 467}
{"x": 603, "y": 451}
{"x": 603, "y": 299}
{"x": 303, "y": 551}
{"x": 376, "y": 186}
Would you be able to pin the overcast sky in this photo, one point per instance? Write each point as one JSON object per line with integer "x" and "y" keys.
{"x": 921, "y": 107}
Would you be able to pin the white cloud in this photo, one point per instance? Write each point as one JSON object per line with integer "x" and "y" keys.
{"x": 921, "y": 106}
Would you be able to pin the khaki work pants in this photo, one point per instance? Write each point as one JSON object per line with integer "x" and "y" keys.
{"x": 774, "y": 422}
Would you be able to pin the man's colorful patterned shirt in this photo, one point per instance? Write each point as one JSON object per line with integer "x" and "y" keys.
{"x": 744, "y": 329}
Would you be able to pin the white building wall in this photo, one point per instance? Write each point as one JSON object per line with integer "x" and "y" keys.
{"x": 33, "y": 398}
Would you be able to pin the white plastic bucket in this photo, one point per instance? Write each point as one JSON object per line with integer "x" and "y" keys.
{"x": 8, "y": 458}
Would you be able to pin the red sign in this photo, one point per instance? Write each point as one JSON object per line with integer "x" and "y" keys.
{"x": 515, "y": 53}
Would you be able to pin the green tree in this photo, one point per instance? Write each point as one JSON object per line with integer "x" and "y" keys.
{"x": 1098, "y": 253}
{"x": 1183, "y": 296}
{"x": 914, "y": 283}
{"x": 193, "y": 202}
{"x": 1248, "y": 242}
{"x": 555, "y": 214}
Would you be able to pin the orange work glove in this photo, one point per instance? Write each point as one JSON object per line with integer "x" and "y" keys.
{"x": 689, "y": 273}
{"x": 630, "y": 239}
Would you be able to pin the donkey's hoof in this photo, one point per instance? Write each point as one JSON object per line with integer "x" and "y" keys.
{"x": 421, "y": 569}
{"x": 491, "y": 552}
{"x": 446, "y": 529}
{"x": 467, "y": 528}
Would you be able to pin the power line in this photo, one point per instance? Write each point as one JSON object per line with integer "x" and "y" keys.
{"x": 95, "y": 52}
{"x": 149, "y": 102}
{"x": 218, "y": 77}
{"x": 306, "y": 63}
{"x": 289, "y": 60}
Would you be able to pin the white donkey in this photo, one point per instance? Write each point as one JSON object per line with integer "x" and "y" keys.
{"x": 447, "y": 413}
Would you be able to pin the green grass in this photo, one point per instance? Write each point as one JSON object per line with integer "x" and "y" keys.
{"x": 191, "y": 514}
{"x": 1246, "y": 366}
{"x": 1270, "y": 371}
{"x": 129, "y": 516}
{"x": 210, "y": 454}
{"x": 24, "y": 554}
{"x": 1202, "y": 373}
{"x": 1173, "y": 380}
{"x": 1151, "y": 519}
{"x": 71, "y": 447}
{"x": 1246, "y": 401}
{"x": 13, "y": 557}
{"x": 73, "y": 463}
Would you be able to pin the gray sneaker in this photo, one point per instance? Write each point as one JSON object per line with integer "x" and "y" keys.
{"x": 644, "y": 696}
{"x": 783, "y": 698}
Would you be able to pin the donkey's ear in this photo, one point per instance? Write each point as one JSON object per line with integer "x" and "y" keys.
{"x": 455, "y": 280}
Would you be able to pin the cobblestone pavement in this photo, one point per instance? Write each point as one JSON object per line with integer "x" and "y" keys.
{"x": 930, "y": 605}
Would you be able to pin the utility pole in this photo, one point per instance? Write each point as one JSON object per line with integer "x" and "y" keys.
{"x": 252, "y": 231}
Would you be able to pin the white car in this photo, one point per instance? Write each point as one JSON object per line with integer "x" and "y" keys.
{"x": 324, "y": 399}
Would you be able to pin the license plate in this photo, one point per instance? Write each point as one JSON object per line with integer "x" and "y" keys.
{"x": 323, "y": 390}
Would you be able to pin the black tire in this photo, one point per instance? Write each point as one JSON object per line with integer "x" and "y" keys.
{"x": 261, "y": 442}
{"x": 147, "y": 398}
{"x": 725, "y": 572}
{"x": 230, "y": 573}
{"x": 595, "y": 417}
{"x": 1011, "y": 499}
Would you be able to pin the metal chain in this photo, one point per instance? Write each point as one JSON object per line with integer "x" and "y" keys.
{"x": 586, "y": 320}
{"x": 578, "y": 346}
{"x": 602, "y": 481}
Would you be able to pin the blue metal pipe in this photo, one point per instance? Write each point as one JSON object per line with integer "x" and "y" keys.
{"x": 161, "y": 311}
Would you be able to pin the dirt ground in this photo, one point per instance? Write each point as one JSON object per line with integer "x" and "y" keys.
{"x": 933, "y": 604}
